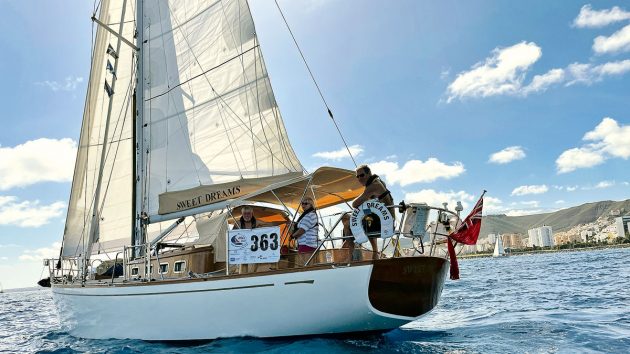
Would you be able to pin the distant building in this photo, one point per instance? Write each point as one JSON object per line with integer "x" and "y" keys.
{"x": 512, "y": 240}
{"x": 540, "y": 237}
{"x": 623, "y": 225}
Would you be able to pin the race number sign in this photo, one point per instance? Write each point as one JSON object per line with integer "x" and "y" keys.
{"x": 260, "y": 245}
{"x": 371, "y": 207}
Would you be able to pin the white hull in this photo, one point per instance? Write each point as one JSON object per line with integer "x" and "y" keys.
{"x": 288, "y": 304}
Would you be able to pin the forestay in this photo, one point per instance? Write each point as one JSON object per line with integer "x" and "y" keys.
{"x": 210, "y": 114}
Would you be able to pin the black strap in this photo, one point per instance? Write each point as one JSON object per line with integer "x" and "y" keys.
{"x": 384, "y": 194}
{"x": 304, "y": 213}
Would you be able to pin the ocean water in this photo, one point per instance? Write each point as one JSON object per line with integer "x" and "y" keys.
{"x": 573, "y": 302}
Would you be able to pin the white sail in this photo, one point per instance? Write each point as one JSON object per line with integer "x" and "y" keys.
{"x": 498, "y": 247}
{"x": 209, "y": 111}
{"x": 105, "y": 146}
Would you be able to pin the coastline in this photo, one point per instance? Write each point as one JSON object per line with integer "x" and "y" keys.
{"x": 520, "y": 253}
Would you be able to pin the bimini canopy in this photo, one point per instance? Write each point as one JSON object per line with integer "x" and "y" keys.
{"x": 328, "y": 186}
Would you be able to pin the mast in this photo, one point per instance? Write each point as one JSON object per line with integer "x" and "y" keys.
{"x": 138, "y": 235}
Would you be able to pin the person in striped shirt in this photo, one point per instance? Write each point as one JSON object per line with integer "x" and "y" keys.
{"x": 307, "y": 228}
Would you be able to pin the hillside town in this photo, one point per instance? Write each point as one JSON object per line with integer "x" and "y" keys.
{"x": 610, "y": 228}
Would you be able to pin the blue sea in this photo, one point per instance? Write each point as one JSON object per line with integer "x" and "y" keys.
{"x": 568, "y": 302}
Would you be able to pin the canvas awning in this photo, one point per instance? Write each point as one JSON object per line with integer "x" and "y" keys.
{"x": 328, "y": 186}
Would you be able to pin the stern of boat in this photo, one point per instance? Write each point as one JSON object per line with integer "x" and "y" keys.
{"x": 407, "y": 287}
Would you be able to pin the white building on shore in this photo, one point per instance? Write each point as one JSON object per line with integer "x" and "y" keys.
{"x": 623, "y": 225}
{"x": 540, "y": 237}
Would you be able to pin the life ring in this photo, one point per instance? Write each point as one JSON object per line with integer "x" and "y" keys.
{"x": 371, "y": 207}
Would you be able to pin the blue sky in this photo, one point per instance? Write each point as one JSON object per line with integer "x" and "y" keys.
{"x": 528, "y": 100}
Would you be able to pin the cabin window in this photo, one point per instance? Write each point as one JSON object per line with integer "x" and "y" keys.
{"x": 151, "y": 269}
{"x": 179, "y": 267}
{"x": 135, "y": 271}
{"x": 163, "y": 268}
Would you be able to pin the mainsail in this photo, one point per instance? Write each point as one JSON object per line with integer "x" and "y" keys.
{"x": 210, "y": 114}
{"x": 210, "y": 121}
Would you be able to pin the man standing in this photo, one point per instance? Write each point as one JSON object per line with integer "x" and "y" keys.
{"x": 374, "y": 189}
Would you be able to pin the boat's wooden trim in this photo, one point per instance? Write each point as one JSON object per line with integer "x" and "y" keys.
{"x": 407, "y": 286}
{"x": 279, "y": 270}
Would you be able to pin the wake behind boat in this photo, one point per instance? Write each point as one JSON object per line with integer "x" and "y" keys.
{"x": 181, "y": 137}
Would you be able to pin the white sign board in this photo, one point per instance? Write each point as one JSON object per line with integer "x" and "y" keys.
{"x": 260, "y": 245}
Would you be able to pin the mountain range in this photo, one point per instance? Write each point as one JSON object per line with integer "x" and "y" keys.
{"x": 561, "y": 220}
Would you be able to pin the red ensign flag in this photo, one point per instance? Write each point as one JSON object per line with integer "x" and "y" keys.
{"x": 467, "y": 233}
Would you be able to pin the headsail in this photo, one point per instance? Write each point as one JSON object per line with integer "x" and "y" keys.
{"x": 105, "y": 146}
{"x": 209, "y": 111}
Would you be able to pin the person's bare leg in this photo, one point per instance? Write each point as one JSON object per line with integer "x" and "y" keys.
{"x": 374, "y": 247}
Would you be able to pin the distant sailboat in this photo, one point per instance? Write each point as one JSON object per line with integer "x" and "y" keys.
{"x": 498, "y": 248}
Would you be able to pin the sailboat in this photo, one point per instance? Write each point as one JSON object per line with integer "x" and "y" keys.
{"x": 180, "y": 131}
{"x": 498, "y": 247}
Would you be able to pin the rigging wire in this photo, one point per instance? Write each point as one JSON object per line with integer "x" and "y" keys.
{"x": 330, "y": 114}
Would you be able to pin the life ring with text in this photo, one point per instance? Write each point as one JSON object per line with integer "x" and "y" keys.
{"x": 371, "y": 207}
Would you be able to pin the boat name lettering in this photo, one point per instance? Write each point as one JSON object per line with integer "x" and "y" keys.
{"x": 209, "y": 198}
{"x": 413, "y": 269}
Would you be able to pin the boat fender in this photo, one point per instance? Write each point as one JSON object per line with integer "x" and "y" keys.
{"x": 371, "y": 206}
{"x": 44, "y": 283}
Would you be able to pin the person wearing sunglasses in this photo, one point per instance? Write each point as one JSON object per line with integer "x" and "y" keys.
{"x": 307, "y": 228}
{"x": 375, "y": 188}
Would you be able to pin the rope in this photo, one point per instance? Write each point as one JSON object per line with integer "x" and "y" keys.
{"x": 330, "y": 114}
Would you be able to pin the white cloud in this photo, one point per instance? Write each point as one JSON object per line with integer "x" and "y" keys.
{"x": 572, "y": 188}
{"x": 9, "y": 245}
{"x": 435, "y": 198}
{"x": 607, "y": 140}
{"x": 626, "y": 183}
{"x": 41, "y": 160}
{"x": 604, "y": 184}
{"x": 599, "y": 18}
{"x": 617, "y": 42}
{"x": 572, "y": 159}
{"x": 531, "y": 203}
{"x": 340, "y": 154}
{"x": 507, "y": 155}
{"x": 28, "y": 213}
{"x": 532, "y": 189}
{"x": 613, "y": 138}
{"x": 588, "y": 74}
{"x": 501, "y": 73}
{"x": 540, "y": 83}
{"x": 560, "y": 201}
{"x": 492, "y": 205}
{"x": 37, "y": 255}
{"x": 522, "y": 212}
{"x": 69, "y": 84}
{"x": 416, "y": 171}
{"x": 444, "y": 75}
